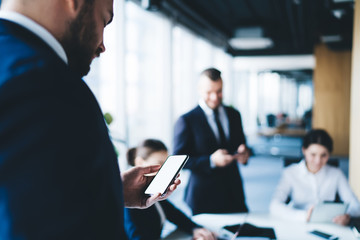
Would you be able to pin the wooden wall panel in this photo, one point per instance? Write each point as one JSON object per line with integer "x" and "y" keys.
{"x": 354, "y": 166}
{"x": 331, "y": 111}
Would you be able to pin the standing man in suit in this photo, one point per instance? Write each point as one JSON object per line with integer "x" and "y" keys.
{"x": 212, "y": 135}
{"x": 59, "y": 177}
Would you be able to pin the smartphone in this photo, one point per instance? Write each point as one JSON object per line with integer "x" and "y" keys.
{"x": 167, "y": 174}
{"x": 324, "y": 235}
{"x": 236, "y": 153}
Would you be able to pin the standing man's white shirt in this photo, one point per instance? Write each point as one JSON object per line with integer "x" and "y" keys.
{"x": 307, "y": 189}
{"x": 210, "y": 117}
{"x": 38, "y": 30}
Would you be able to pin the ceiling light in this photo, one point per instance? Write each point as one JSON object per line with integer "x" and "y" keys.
{"x": 251, "y": 43}
{"x": 248, "y": 38}
{"x": 338, "y": 13}
{"x": 331, "y": 38}
{"x": 340, "y": 1}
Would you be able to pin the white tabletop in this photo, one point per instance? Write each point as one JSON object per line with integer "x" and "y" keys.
{"x": 284, "y": 229}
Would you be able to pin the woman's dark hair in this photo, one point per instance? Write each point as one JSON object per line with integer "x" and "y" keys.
{"x": 144, "y": 150}
{"x": 318, "y": 136}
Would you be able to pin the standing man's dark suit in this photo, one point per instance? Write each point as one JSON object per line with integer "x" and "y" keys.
{"x": 59, "y": 177}
{"x": 211, "y": 189}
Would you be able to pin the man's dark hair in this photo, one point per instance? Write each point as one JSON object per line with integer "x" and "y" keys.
{"x": 318, "y": 136}
{"x": 212, "y": 73}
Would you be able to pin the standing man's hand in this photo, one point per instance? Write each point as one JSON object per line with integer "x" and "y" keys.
{"x": 242, "y": 155}
{"x": 135, "y": 181}
{"x": 221, "y": 158}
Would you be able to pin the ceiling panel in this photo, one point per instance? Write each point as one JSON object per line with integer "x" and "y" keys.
{"x": 292, "y": 26}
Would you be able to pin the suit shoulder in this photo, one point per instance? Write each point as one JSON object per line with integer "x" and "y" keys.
{"x": 232, "y": 112}
{"x": 23, "y": 52}
{"x": 192, "y": 113}
{"x": 231, "y": 109}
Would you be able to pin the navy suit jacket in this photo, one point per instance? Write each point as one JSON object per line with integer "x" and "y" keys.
{"x": 59, "y": 177}
{"x": 145, "y": 224}
{"x": 210, "y": 190}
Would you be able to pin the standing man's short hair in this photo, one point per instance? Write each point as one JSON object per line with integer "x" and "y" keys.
{"x": 211, "y": 73}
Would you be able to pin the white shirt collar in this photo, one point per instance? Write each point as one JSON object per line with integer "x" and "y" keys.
{"x": 209, "y": 114}
{"x": 208, "y": 111}
{"x": 305, "y": 170}
{"x": 37, "y": 30}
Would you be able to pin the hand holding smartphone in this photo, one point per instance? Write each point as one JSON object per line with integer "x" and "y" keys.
{"x": 167, "y": 174}
{"x": 241, "y": 154}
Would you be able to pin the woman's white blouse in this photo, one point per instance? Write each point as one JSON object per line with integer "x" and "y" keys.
{"x": 306, "y": 189}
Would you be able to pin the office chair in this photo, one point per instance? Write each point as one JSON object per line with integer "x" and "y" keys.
{"x": 290, "y": 160}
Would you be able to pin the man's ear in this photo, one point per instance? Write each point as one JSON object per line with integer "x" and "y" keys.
{"x": 74, "y": 6}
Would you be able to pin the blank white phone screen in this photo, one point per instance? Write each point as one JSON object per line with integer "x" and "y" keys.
{"x": 166, "y": 174}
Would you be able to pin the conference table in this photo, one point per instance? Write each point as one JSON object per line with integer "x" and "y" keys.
{"x": 285, "y": 229}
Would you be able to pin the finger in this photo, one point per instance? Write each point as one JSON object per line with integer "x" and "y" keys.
{"x": 174, "y": 186}
{"x": 210, "y": 235}
{"x": 151, "y": 169}
{"x": 206, "y": 234}
{"x": 150, "y": 174}
{"x": 177, "y": 181}
{"x": 309, "y": 213}
{"x": 152, "y": 199}
{"x": 222, "y": 152}
{"x": 214, "y": 235}
{"x": 242, "y": 148}
{"x": 242, "y": 159}
{"x": 337, "y": 220}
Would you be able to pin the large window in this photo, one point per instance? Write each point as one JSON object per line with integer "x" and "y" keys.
{"x": 148, "y": 75}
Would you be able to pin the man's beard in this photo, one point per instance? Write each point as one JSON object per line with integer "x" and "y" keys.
{"x": 80, "y": 42}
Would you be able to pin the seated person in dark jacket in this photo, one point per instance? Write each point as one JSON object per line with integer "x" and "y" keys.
{"x": 148, "y": 223}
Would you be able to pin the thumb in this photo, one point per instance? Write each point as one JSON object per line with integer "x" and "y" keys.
{"x": 150, "y": 169}
{"x": 241, "y": 148}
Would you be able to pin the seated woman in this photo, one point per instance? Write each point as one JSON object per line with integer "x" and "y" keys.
{"x": 148, "y": 223}
{"x": 312, "y": 181}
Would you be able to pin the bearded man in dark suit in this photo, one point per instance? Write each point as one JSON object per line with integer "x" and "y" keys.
{"x": 59, "y": 176}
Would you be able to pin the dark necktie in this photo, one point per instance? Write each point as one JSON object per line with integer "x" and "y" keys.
{"x": 222, "y": 137}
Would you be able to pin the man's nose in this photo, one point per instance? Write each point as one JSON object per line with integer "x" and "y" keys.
{"x": 102, "y": 47}
{"x": 318, "y": 159}
{"x": 214, "y": 96}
